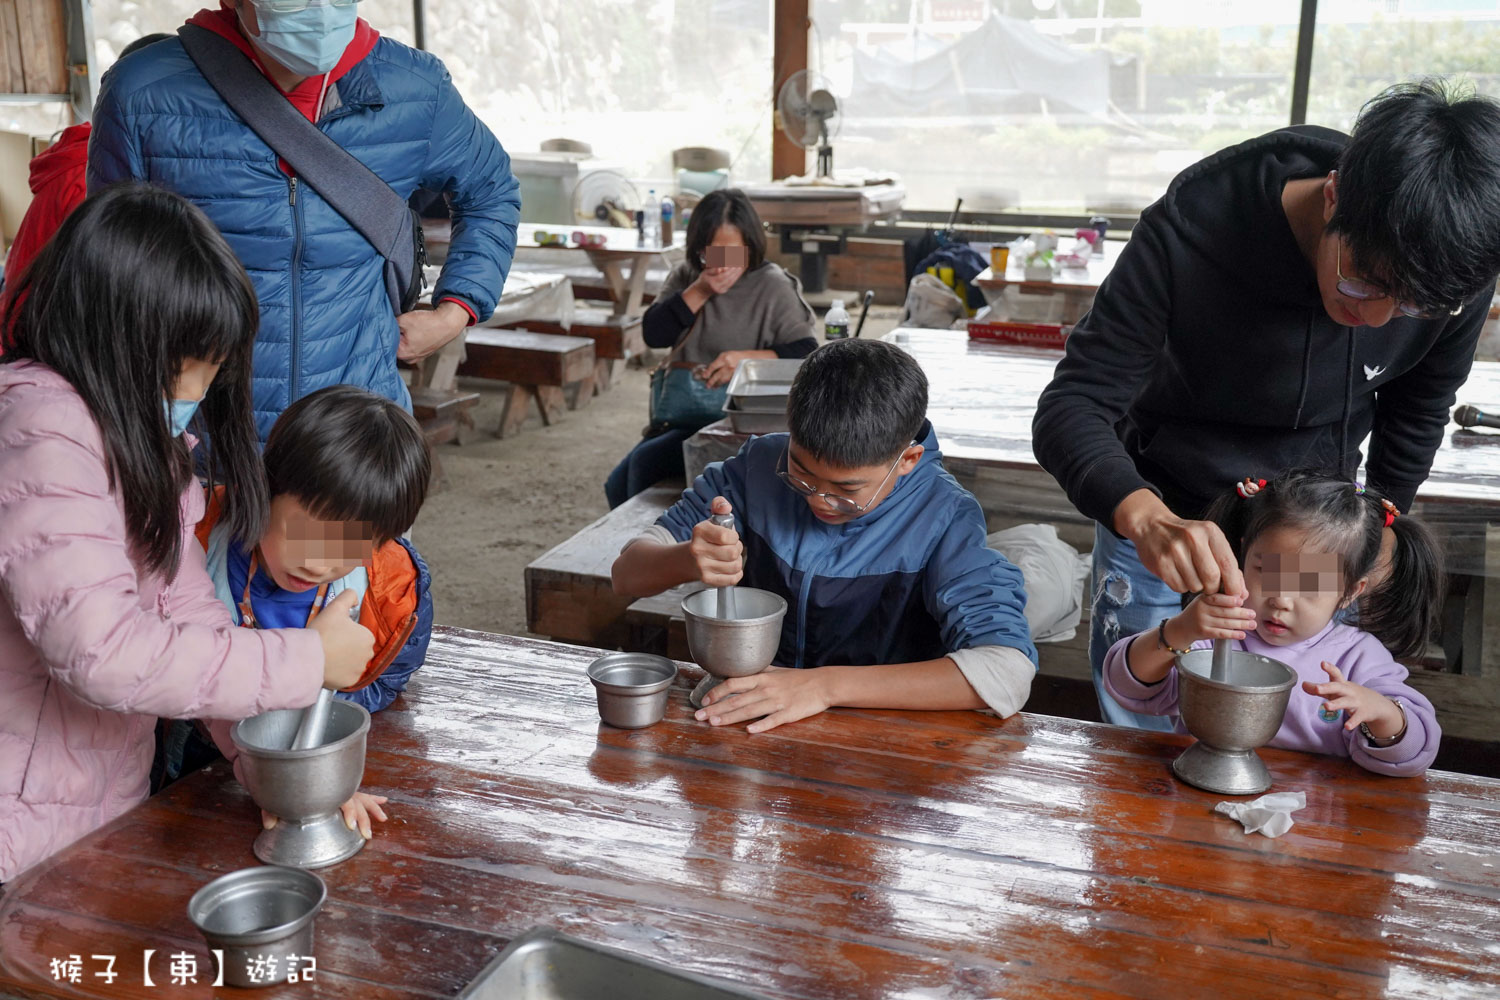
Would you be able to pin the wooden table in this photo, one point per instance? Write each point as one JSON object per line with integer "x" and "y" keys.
{"x": 1069, "y": 294}
{"x": 856, "y": 854}
{"x": 622, "y": 262}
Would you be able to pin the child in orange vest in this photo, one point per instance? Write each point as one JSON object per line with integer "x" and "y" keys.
{"x": 347, "y": 472}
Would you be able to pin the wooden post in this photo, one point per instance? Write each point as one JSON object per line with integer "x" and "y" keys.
{"x": 44, "y": 46}
{"x": 789, "y": 56}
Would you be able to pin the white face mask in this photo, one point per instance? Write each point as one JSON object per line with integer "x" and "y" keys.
{"x": 308, "y": 41}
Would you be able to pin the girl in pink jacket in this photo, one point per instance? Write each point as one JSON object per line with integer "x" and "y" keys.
{"x": 1310, "y": 545}
{"x": 135, "y": 320}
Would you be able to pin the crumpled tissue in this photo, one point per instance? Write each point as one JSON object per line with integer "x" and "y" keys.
{"x": 1270, "y": 814}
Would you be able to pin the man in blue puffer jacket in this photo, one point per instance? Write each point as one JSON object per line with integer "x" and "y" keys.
{"x": 325, "y": 317}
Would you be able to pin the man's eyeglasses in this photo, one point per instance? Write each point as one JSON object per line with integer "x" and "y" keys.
{"x": 293, "y": 6}
{"x": 836, "y": 503}
{"x": 1365, "y": 291}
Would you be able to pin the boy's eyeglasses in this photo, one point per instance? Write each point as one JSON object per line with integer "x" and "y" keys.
{"x": 837, "y": 504}
{"x": 293, "y": 6}
{"x": 1365, "y": 291}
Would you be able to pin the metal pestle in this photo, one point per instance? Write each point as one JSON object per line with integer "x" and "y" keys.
{"x": 314, "y": 722}
{"x": 1218, "y": 669}
{"x": 726, "y": 608}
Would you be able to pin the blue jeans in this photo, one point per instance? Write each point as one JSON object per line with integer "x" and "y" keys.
{"x": 1127, "y": 599}
{"x": 648, "y": 463}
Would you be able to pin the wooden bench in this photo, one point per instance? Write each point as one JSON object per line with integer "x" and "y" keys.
{"x": 444, "y": 415}
{"x": 616, "y": 338}
{"x": 537, "y": 366}
{"x": 568, "y": 591}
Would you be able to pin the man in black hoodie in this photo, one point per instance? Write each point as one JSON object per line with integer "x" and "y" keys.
{"x": 1285, "y": 299}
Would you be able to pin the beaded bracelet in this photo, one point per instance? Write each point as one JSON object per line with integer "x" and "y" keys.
{"x": 1161, "y": 639}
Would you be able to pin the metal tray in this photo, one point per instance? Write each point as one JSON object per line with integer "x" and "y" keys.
{"x": 543, "y": 964}
{"x": 755, "y": 421}
{"x": 763, "y": 382}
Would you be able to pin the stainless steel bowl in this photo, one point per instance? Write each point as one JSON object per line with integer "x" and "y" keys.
{"x": 304, "y": 788}
{"x": 261, "y": 919}
{"x": 734, "y": 647}
{"x": 632, "y": 688}
{"x": 1231, "y": 718}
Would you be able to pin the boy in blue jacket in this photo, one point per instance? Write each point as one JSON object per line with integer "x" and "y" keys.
{"x": 894, "y": 601}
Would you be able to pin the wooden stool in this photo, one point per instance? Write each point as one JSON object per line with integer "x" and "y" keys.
{"x": 616, "y": 338}
{"x": 443, "y": 415}
{"x": 537, "y": 366}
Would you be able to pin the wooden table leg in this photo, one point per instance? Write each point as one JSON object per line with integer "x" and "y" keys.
{"x": 582, "y": 392}
{"x": 513, "y": 412}
{"x": 604, "y": 375}
{"x": 440, "y": 369}
{"x": 636, "y": 290}
{"x": 550, "y": 401}
{"x": 613, "y": 269}
{"x": 465, "y": 430}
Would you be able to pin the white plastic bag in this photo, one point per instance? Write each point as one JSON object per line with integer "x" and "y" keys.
{"x": 1055, "y": 575}
{"x": 931, "y": 304}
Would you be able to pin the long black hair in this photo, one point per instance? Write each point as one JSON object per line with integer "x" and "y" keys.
{"x": 136, "y": 282}
{"x": 1347, "y": 518}
{"x": 725, "y": 207}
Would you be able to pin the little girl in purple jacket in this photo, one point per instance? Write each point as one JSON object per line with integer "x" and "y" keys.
{"x": 1310, "y": 545}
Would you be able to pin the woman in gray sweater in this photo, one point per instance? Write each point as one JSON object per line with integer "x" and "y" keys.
{"x": 723, "y": 305}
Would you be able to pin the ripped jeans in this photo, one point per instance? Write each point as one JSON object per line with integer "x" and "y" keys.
{"x": 1127, "y": 599}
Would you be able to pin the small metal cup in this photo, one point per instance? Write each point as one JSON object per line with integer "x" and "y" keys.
{"x": 261, "y": 919}
{"x": 632, "y": 688}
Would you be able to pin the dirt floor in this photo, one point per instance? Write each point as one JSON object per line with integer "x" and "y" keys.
{"x": 508, "y": 501}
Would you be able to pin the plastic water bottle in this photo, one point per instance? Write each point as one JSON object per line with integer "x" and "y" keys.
{"x": 666, "y": 222}
{"x": 652, "y": 210}
{"x": 836, "y": 321}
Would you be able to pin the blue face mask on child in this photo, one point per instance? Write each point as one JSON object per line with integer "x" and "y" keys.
{"x": 308, "y": 41}
{"x": 179, "y": 413}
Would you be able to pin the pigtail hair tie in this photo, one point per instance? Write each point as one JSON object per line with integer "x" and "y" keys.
{"x": 1391, "y": 513}
{"x": 1248, "y": 487}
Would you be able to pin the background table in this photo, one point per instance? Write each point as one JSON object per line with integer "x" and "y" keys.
{"x": 622, "y": 262}
{"x": 857, "y": 854}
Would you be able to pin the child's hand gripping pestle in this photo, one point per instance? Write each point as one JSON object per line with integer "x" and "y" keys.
{"x": 726, "y": 608}
{"x": 1218, "y": 669}
{"x": 314, "y": 724}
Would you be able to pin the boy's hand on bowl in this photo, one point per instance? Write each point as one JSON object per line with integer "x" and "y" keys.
{"x": 360, "y": 809}
{"x": 357, "y": 812}
{"x": 775, "y": 696}
{"x": 718, "y": 554}
{"x": 347, "y": 645}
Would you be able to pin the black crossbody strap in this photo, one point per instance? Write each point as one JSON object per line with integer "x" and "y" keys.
{"x": 354, "y": 190}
